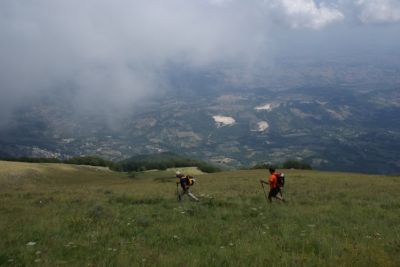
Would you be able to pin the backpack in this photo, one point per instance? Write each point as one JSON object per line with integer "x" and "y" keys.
{"x": 280, "y": 179}
{"x": 188, "y": 180}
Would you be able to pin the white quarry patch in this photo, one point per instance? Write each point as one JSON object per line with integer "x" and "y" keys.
{"x": 267, "y": 107}
{"x": 262, "y": 126}
{"x": 223, "y": 120}
{"x": 68, "y": 140}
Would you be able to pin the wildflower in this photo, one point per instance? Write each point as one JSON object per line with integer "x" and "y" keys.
{"x": 221, "y": 247}
{"x": 31, "y": 243}
{"x": 38, "y": 252}
{"x": 231, "y": 244}
{"x": 175, "y": 237}
{"x": 70, "y": 244}
{"x": 38, "y": 260}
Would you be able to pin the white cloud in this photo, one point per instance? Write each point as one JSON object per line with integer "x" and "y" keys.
{"x": 116, "y": 53}
{"x": 305, "y": 13}
{"x": 294, "y": 13}
{"x": 220, "y": 2}
{"x": 378, "y": 11}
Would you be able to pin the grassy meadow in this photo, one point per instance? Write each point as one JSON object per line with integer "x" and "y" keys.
{"x": 67, "y": 215}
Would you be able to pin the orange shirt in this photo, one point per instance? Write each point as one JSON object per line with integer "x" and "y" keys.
{"x": 273, "y": 182}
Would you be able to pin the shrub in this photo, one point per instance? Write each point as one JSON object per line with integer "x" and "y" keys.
{"x": 90, "y": 160}
{"x": 34, "y": 160}
{"x": 294, "y": 164}
{"x": 208, "y": 168}
{"x": 162, "y": 161}
{"x": 261, "y": 166}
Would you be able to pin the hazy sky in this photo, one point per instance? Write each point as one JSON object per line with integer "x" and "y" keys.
{"x": 115, "y": 52}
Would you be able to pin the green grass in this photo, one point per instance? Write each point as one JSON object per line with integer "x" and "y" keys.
{"x": 87, "y": 216}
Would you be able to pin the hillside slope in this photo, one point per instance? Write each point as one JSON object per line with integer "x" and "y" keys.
{"x": 20, "y": 175}
{"x": 76, "y": 215}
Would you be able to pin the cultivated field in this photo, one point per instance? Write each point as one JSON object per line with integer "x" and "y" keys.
{"x": 66, "y": 215}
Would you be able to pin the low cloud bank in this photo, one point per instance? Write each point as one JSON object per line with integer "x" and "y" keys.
{"x": 112, "y": 54}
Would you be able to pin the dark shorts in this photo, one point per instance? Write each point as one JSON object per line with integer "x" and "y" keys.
{"x": 273, "y": 192}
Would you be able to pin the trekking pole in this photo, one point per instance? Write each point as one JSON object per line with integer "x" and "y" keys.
{"x": 265, "y": 194}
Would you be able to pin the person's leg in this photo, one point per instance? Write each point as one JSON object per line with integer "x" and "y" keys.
{"x": 270, "y": 195}
{"x": 182, "y": 193}
{"x": 281, "y": 191}
{"x": 275, "y": 192}
{"x": 191, "y": 195}
{"x": 279, "y": 195}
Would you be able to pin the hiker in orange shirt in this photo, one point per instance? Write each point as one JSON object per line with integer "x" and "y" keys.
{"x": 275, "y": 190}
